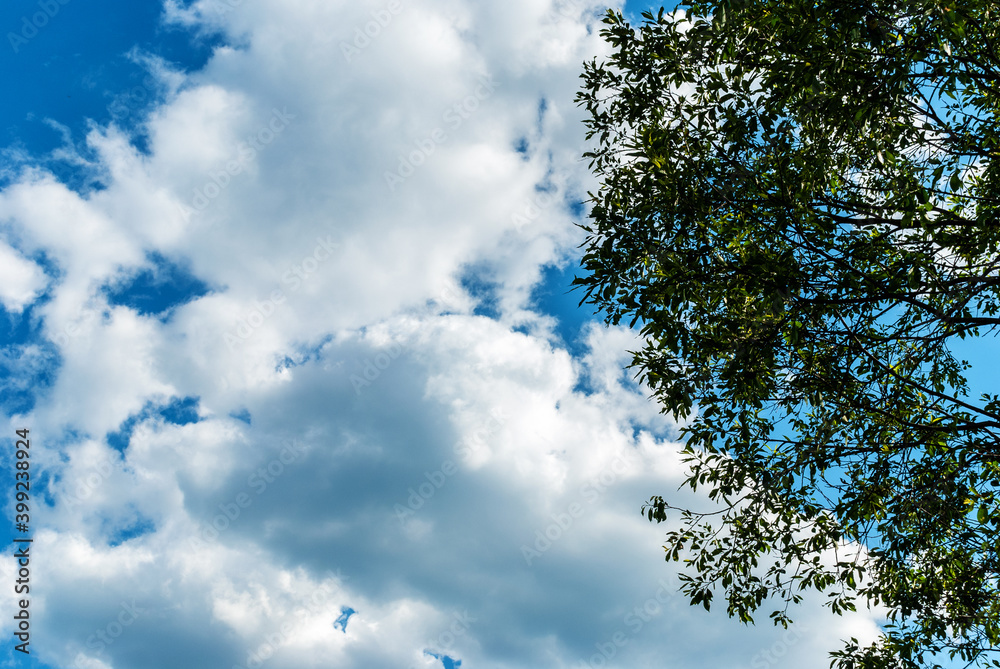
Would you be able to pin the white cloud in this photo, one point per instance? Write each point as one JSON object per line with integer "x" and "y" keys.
{"x": 20, "y": 279}
{"x": 431, "y": 444}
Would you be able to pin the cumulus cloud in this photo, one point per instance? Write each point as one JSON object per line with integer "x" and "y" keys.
{"x": 381, "y": 414}
{"x": 20, "y": 279}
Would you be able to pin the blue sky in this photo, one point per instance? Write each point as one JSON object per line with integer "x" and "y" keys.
{"x": 285, "y": 306}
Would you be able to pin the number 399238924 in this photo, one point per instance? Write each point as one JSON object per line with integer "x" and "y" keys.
{"x": 22, "y": 485}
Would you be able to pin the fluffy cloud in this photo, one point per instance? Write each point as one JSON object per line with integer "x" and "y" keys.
{"x": 353, "y": 182}
{"x": 20, "y": 279}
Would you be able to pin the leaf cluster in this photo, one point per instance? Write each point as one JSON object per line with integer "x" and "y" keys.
{"x": 798, "y": 203}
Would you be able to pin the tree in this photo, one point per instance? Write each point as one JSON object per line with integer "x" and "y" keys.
{"x": 798, "y": 202}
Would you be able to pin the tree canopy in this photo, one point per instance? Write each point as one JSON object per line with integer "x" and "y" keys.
{"x": 798, "y": 203}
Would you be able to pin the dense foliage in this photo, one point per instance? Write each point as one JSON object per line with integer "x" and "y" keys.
{"x": 798, "y": 203}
